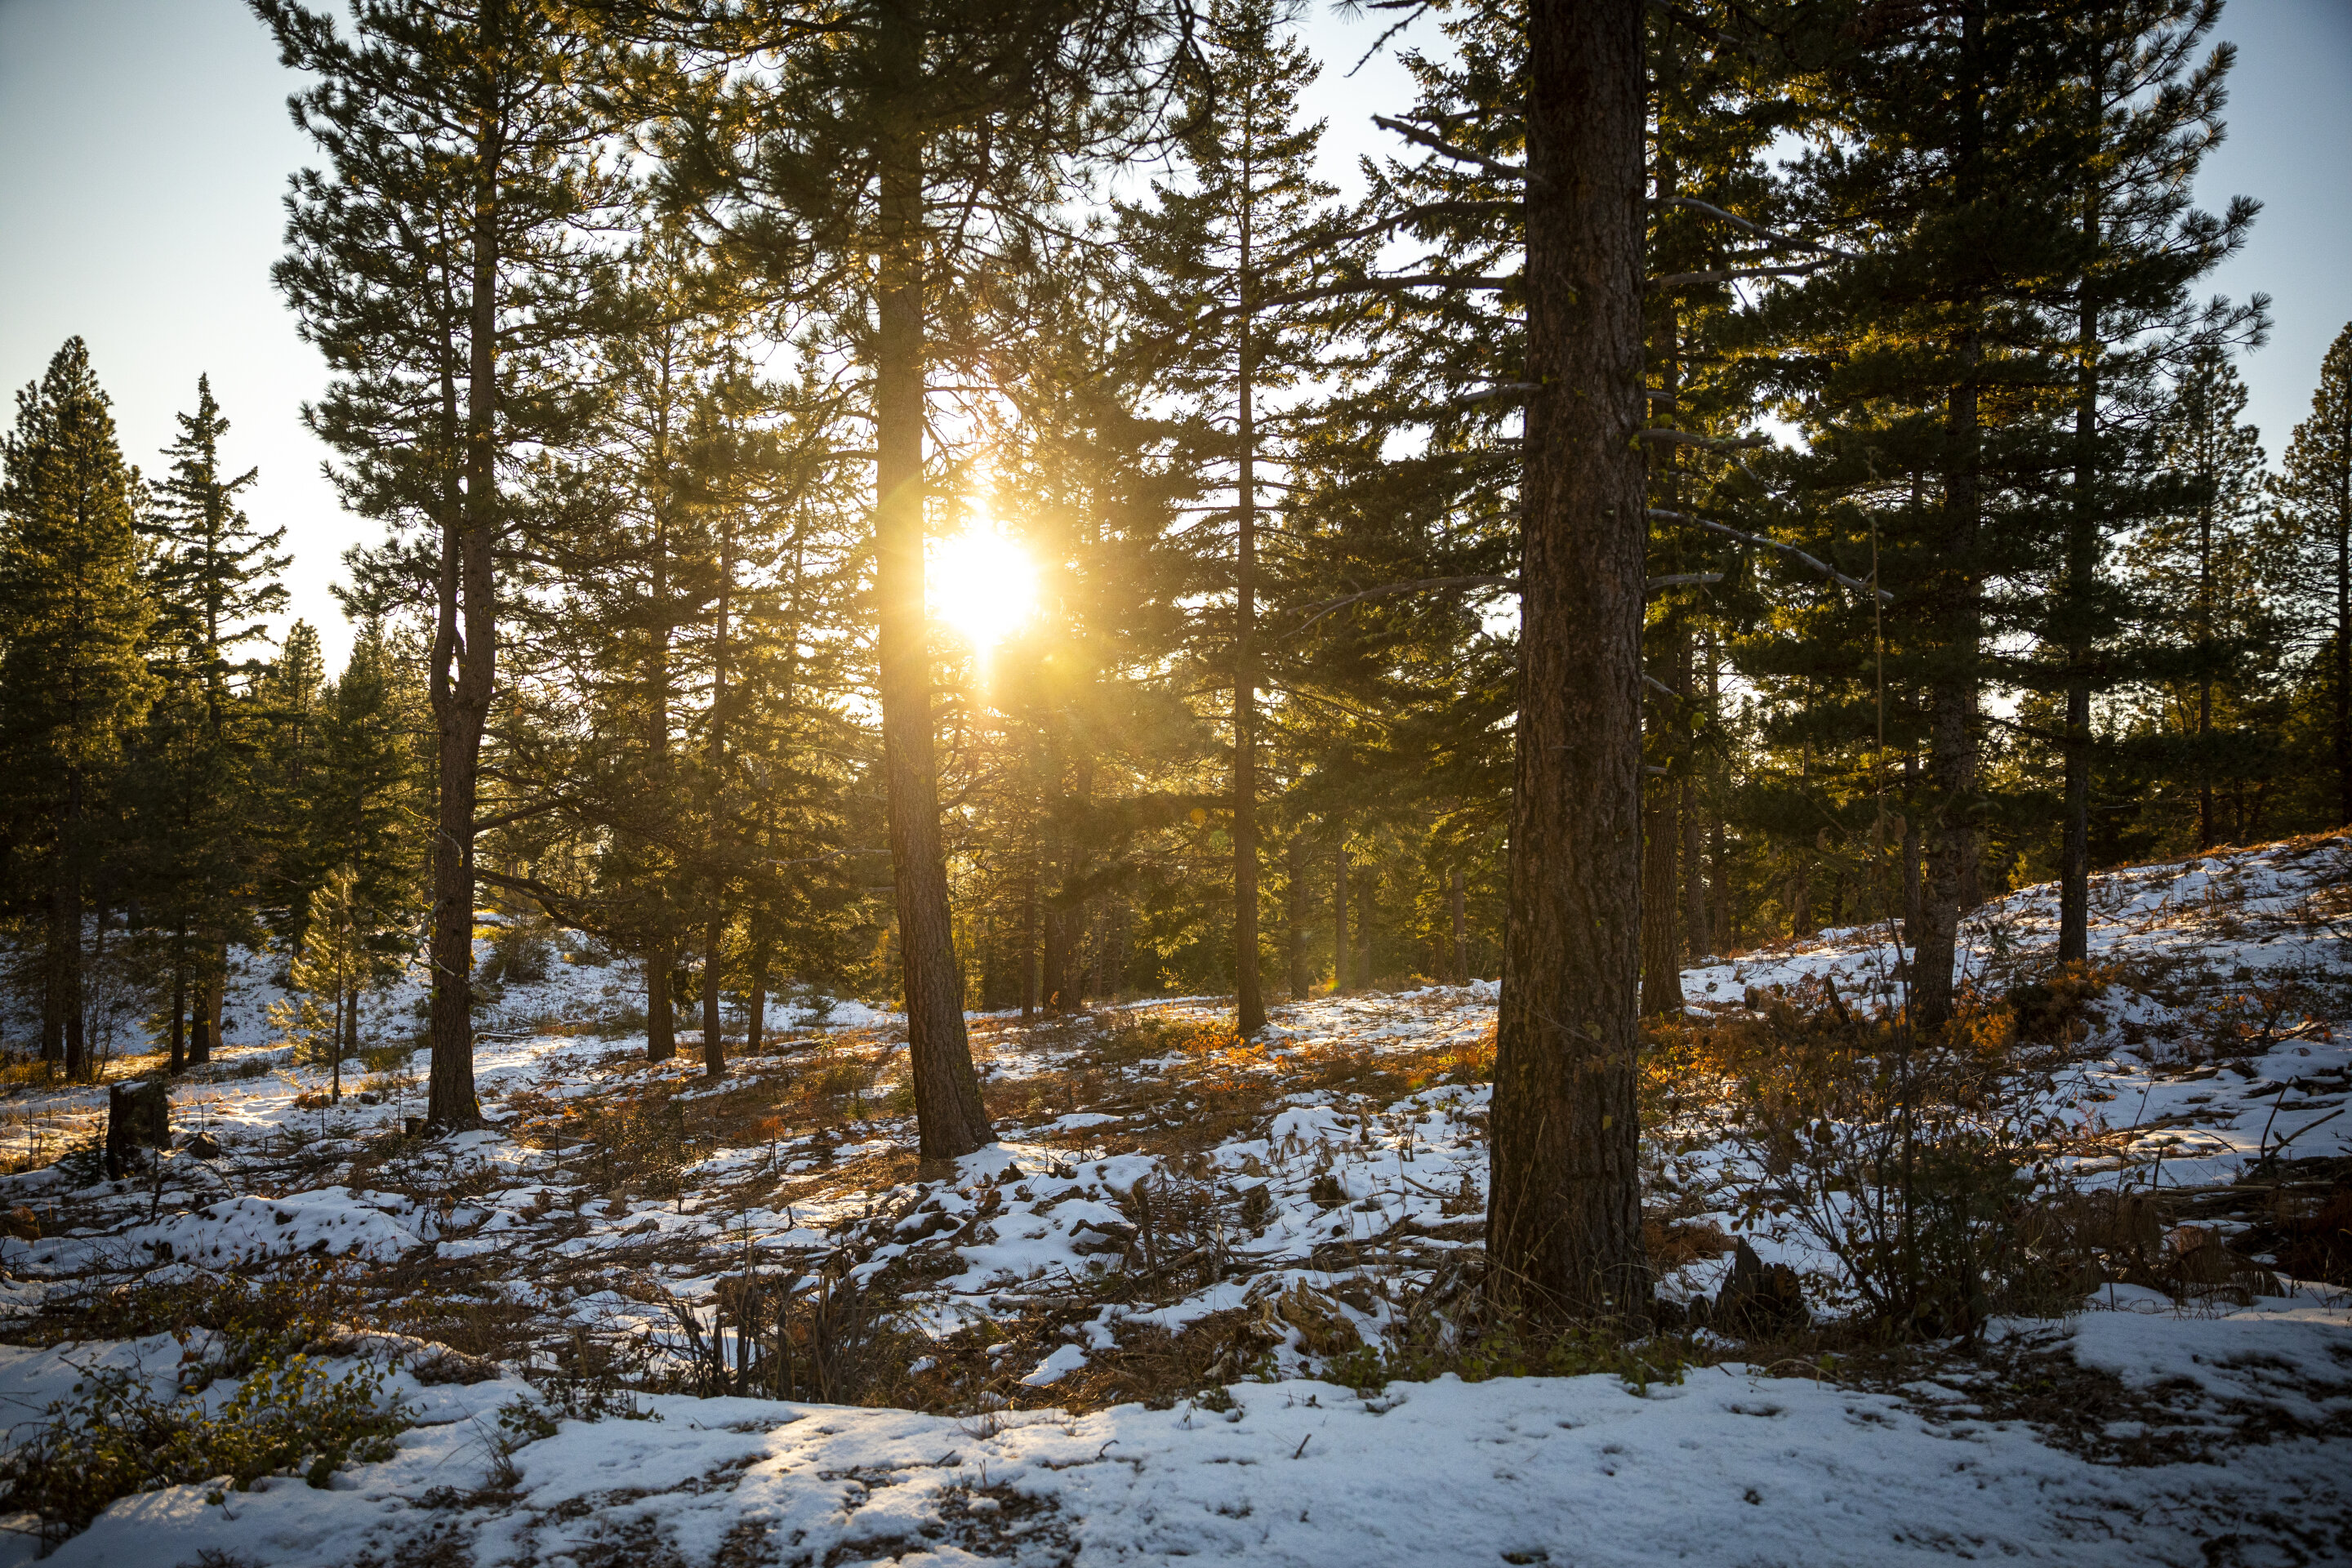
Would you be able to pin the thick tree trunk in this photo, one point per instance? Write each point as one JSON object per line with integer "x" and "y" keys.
{"x": 661, "y": 1008}
{"x": 714, "y": 1037}
{"x": 461, "y": 703}
{"x": 1249, "y": 998}
{"x": 1339, "y": 924}
{"x": 948, "y": 1111}
{"x": 177, "y": 1037}
{"x": 2081, "y": 568}
{"x": 1301, "y": 983}
{"x": 1455, "y": 890}
{"x": 1564, "y": 1214}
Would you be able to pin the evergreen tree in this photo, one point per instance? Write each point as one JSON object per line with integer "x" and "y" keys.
{"x": 852, "y": 173}
{"x": 214, "y": 578}
{"x": 72, "y": 681}
{"x": 439, "y": 267}
{"x": 2147, "y": 111}
{"x": 2312, "y": 562}
{"x": 2200, "y": 575}
{"x": 1928, "y": 376}
{"x": 290, "y": 706}
{"x": 1226, "y": 255}
{"x": 1563, "y": 1222}
{"x": 368, "y": 803}
{"x": 319, "y": 1016}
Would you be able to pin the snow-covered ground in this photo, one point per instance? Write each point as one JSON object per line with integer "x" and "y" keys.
{"x": 1163, "y": 1191}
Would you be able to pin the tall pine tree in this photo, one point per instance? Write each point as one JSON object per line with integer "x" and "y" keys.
{"x": 72, "y": 681}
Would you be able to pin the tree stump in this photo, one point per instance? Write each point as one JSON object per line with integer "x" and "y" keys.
{"x": 138, "y": 1116}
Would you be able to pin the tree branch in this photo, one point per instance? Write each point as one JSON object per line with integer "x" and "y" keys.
{"x": 1692, "y": 204}
{"x": 1812, "y": 563}
{"x": 1693, "y": 438}
{"x": 1732, "y": 275}
{"x": 1429, "y": 584}
{"x": 1444, "y": 148}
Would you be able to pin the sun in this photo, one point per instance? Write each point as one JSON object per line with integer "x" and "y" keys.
{"x": 981, "y": 583}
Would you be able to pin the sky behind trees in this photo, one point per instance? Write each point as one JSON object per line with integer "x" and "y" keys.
{"x": 148, "y": 146}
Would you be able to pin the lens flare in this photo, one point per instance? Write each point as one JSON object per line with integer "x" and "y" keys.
{"x": 981, "y": 583}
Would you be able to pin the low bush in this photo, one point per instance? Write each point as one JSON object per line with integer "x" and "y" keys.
{"x": 1918, "y": 1162}
{"x": 116, "y": 1438}
{"x": 519, "y": 955}
{"x": 306, "y": 1303}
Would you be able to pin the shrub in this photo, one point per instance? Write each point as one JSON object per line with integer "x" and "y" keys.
{"x": 305, "y": 1304}
{"x": 116, "y": 1438}
{"x": 1915, "y": 1163}
{"x": 638, "y": 1146}
{"x": 518, "y": 955}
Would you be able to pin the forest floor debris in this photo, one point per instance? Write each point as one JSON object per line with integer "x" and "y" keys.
{"x": 1200, "y": 1299}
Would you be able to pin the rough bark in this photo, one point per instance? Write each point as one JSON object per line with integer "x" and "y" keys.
{"x": 1301, "y": 983}
{"x": 661, "y": 1008}
{"x": 465, "y": 641}
{"x": 1339, "y": 924}
{"x": 1460, "y": 928}
{"x": 1249, "y": 997}
{"x": 949, "y": 1117}
{"x": 1951, "y": 757}
{"x": 1563, "y": 1219}
{"x": 2082, "y": 567}
{"x": 714, "y": 1035}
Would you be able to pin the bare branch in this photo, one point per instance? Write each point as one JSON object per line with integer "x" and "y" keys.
{"x": 1500, "y": 389}
{"x": 1812, "y": 563}
{"x": 1426, "y": 584}
{"x": 1733, "y": 275}
{"x": 1444, "y": 148}
{"x": 1714, "y": 443}
{"x": 1797, "y": 242}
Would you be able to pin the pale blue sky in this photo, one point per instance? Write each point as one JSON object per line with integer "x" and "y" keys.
{"x": 144, "y": 145}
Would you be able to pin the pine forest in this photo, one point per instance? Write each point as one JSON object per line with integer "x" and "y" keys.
{"x": 1051, "y": 815}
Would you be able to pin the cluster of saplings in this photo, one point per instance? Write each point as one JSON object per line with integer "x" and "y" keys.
{"x": 1419, "y": 591}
